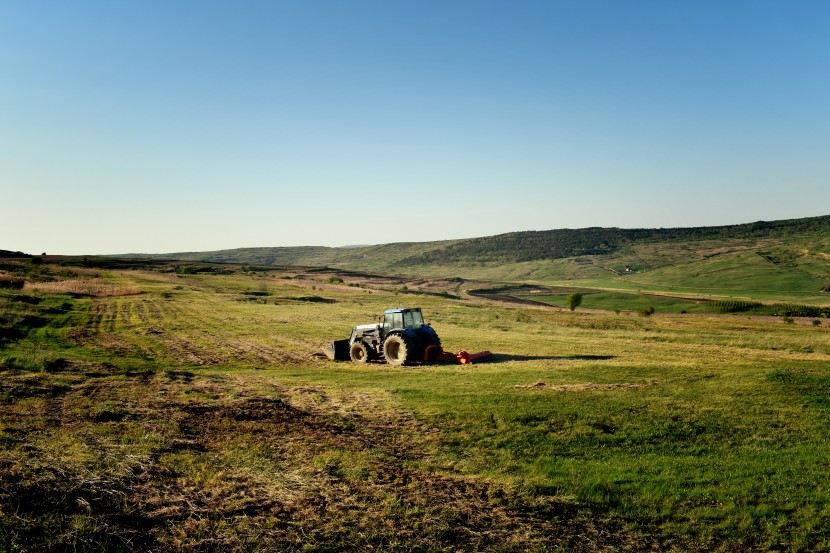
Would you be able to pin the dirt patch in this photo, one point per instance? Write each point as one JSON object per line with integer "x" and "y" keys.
{"x": 371, "y": 496}
{"x": 183, "y": 461}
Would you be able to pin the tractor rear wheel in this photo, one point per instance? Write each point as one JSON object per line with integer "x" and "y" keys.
{"x": 397, "y": 350}
{"x": 431, "y": 353}
{"x": 359, "y": 353}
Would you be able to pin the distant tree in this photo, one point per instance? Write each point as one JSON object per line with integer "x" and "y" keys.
{"x": 647, "y": 312}
{"x": 574, "y": 300}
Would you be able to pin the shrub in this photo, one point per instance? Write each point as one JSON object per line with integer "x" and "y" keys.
{"x": 335, "y": 280}
{"x": 574, "y": 300}
{"x": 647, "y": 312}
{"x": 788, "y": 320}
{"x": 816, "y": 322}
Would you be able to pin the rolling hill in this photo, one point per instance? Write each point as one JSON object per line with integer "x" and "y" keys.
{"x": 790, "y": 257}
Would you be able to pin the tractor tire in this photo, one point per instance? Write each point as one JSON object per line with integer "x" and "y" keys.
{"x": 359, "y": 353}
{"x": 397, "y": 349}
{"x": 433, "y": 340}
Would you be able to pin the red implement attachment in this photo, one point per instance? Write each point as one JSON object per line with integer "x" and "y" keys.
{"x": 465, "y": 358}
{"x": 436, "y": 353}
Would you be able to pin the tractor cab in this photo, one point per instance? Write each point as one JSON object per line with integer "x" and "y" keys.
{"x": 410, "y": 319}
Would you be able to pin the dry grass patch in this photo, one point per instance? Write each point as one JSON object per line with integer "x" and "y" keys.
{"x": 84, "y": 287}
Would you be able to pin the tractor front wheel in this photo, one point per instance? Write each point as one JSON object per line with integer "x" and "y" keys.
{"x": 359, "y": 352}
{"x": 397, "y": 350}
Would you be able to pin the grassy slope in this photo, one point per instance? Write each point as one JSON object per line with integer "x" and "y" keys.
{"x": 377, "y": 257}
{"x": 785, "y": 260}
{"x": 194, "y": 416}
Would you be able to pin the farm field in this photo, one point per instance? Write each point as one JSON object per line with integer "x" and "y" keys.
{"x": 158, "y": 410}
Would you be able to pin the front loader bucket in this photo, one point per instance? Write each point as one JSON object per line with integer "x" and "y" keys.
{"x": 337, "y": 350}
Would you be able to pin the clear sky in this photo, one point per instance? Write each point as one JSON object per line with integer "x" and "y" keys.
{"x": 163, "y": 125}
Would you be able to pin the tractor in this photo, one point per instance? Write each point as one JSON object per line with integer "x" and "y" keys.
{"x": 400, "y": 337}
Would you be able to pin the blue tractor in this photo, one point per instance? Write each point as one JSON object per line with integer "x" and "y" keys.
{"x": 401, "y": 337}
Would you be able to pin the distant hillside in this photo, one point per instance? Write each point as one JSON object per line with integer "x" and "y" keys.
{"x": 514, "y": 247}
{"x": 381, "y": 257}
{"x": 517, "y": 247}
{"x": 791, "y": 256}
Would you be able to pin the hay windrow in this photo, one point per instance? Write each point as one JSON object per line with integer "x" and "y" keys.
{"x": 582, "y": 387}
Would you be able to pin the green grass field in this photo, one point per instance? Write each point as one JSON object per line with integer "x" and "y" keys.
{"x": 192, "y": 412}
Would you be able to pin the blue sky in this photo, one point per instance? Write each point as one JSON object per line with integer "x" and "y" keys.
{"x": 163, "y": 125}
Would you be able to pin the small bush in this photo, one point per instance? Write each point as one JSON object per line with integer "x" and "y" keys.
{"x": 574, "y": 300}
{"x": 816, "y": 322}
{"x": 787, "y": 319}
{"x": 335, "y": 280}
{"x": 647, "y": 312}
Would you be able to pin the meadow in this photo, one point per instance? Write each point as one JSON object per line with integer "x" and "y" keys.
{"x": 169, "y": 410}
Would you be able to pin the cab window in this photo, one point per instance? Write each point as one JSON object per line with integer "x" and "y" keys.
{"x": 393, "y": 320}
{"x": 413, "y": 319}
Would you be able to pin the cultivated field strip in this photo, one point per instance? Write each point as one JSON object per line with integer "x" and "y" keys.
{"x": 201, "y": 333}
